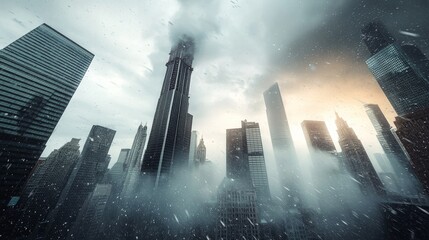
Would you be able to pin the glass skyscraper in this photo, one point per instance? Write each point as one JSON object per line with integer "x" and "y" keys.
{"x": 401, "y": 71}
{"x": 168, "y": 146}
{"x": 284, "y": 150}
{"x": 39, "y": 74}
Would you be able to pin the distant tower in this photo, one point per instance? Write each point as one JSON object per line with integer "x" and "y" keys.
{"x": 317, "y": 136}
{"x": 39, "y": 74}
{"x": 168, "y": 146}
{"x": 284, "y": 150}
{"x": 201, "y": 152}
{"x": 89, "y": 171}
{"x": 356, "y": 159}
{"x": 136, "y": 153}
{"x": 398, "y": 159}
{"x": 245, "y": 157}
{"x": 132, "y": 165}
{"x": 193, "y": 148}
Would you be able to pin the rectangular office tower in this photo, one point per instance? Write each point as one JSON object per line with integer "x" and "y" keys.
{"x": 245, "y": 157}
{"x": 89, "y": 171}
{"x": 284, "y": 150}
{"x": 402, "y": 71}
{"x": 356, "y": 159}
{"x": 168, "y": 146}
{"x": 398, "y": 159}
{"x": 39, "y": 74}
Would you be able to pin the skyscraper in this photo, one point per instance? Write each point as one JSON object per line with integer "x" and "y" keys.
{"x": 403, "y": 74}
{"x": 237, "y": 209}
{"x": 284, "y": 150}
{"x": 356, "y": 159}
{"x": 413, "y": 132}
{"x": 89, "y": 219}
{"x": 135, "y": 155}
{"x": 89, "y": 171}
{"x": 393, "y": 150}
{"x": 317, "y": 136}
{"x": 132, "y": 169}
{"x": 43, "y": 198}
{"x": 39, "y": 74}
{"x": 401, "y": 71}
{"x": 168, "y": 145}
{"x": 245, "y": 157}
{"x": 193, "y": 148}
{"x": 201, "y": 152}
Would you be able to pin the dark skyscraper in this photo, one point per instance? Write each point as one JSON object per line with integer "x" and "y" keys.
{"x": 403, "y": 74}
{"x": 393, "y": 150}
{"x": 413, "y": 132}
{"x": 168, "y": 145}
{"x": 281, "y": 139}
{"x": 401, "y": 71}
{"x": 89, "y": 171}
{"x": 356, "y": 159}
{"x": 317, "y": 136}
{"x": 39, "y": 74}
{"x": 56, "y": 171}
{"x": 245, "y": 157}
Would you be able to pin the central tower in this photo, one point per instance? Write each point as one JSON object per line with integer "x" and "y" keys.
{"x": 168, "y": 145}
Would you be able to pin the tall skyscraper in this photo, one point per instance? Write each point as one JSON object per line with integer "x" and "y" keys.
{"x": 168, "y": 145}
{"x": 401, "y": 71}
{"x": 245, "y": 157}
{"x": 43, "y": 198}
{"x": 413, "y": 132}
{"x": 89, "y": 171}
{"x": 193, "y": 148}
{"x": 356, "y": 159}
{"x": 398, "y": 159}
{"x": 135, "y": 155}
{"x": 134, "y": 160}
{"x": 39, "y": 74}
{"x": 317, "y": 136}
{"x": 403, "y": 74}
{"x": 284, "y": 150}
{"x": 201, "y": 152}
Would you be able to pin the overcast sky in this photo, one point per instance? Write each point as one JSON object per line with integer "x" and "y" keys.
{"x": 312, "y": 48}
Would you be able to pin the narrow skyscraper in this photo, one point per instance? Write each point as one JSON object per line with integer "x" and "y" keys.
{"x": 245, "y": 157}
{"x": 356, "y": 159}
{"x": 135, "y": 155}
{"x": 168, "y": 145}
{"x": 201, "y": 152}
{"x": 39, "y": 74}
{"x": 89, "y": 171}
{"x": 284, "y": 150}
{"x": 408, "y": 183}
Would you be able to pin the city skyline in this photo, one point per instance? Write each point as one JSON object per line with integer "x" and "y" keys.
{"x": 118, "y": 83}
{"x": 306, "y": 162}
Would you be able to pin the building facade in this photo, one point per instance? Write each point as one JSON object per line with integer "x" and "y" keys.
{"x": 39, "y": 74}
{"x": 168, "y": 145}
{"x": 89, "y": 170}
{"x": 245, "y": 157}
{"x": 408, "y": 183}
{"x": 401, "y": 71}
{"x": 356, "y": 159}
